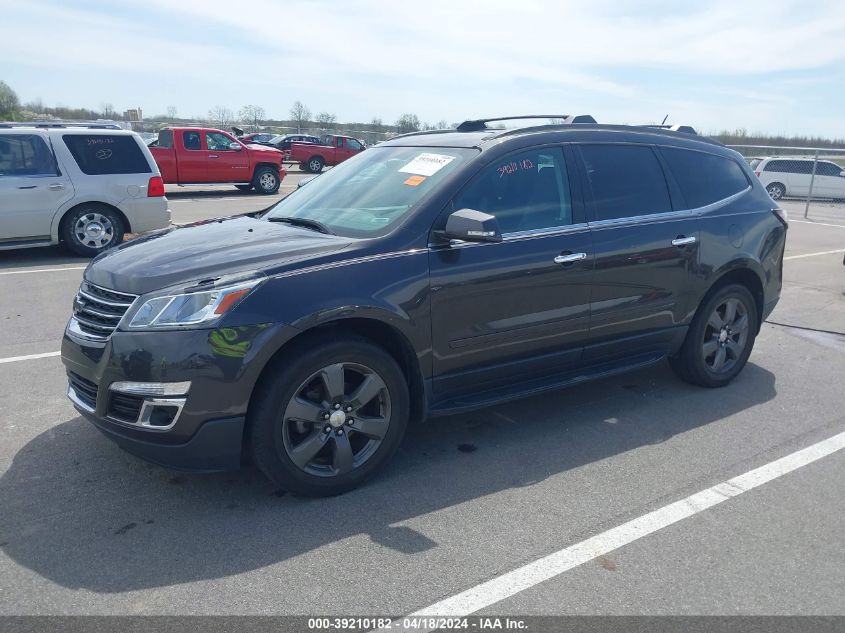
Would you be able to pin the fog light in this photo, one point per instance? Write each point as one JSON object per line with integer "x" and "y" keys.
{"x": 154, "y": 389}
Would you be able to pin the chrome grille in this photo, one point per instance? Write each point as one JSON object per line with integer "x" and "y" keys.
{"x": 97, "y": 311}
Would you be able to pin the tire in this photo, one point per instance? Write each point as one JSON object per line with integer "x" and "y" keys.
{"x": 315, "y": 165}
{"x": 287, "y": 416}
{"x": 776, "y": 190}
{"x": 243, "y": 187}
{"x": 698, "y": 361}
{"x": 91, "y": 229}
{"x": 266, "y": 180}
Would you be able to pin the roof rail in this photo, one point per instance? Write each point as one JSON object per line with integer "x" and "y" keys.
{"x": 98, "y": 125}
{"x": 685, "y": 129}
{"x": 479, "y": 125}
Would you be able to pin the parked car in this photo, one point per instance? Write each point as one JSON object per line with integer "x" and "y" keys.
{"x": 434, "y": 274}
{"x": 83, "y": 186}
{"x": 258, "y": 138}
{"x": 283, "y": 143}
{"x": 191, "y": 155}
{"x": 332, "y": 150}
{"x": 791, "y": 177}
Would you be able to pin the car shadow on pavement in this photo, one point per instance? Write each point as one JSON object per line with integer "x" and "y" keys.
{"x": 47, "y": 256}
{"x": 81, "y": 513}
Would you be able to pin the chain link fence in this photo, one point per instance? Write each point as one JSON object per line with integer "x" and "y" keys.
{"x": 811, "y": 176}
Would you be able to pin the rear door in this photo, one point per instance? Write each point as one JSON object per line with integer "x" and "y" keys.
{"x": 192, "y": 157}
{"x": 32, "y": 187}
{"x": 224, "y": 163}
{"x": 646, "y": 252}
{"x": 519, "y": 309}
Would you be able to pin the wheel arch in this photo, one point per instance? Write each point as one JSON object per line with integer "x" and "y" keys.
{"x": 375, "y": 331}
{"x": 64, "y": 217}
{"x": 746, "y": 274}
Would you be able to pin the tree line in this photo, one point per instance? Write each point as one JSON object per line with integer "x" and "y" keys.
{"x": 253, "y": 118}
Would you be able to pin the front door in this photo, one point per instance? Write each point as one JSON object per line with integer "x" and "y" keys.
{"x": 224, "y": 163}
{"x": 32, "y": 188}
{"x": 646, "y": 253}
{"x": 519, "y": 309}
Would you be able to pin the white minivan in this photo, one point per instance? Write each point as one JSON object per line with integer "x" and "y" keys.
{"x": 790, "y": 177}
{"x": 83, "y": 185}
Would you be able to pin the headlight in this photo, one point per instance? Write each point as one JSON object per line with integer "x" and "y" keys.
{"x": 190, "y": 308}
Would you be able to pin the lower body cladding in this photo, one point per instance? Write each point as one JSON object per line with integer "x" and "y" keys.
{"x": 175, "y": 398}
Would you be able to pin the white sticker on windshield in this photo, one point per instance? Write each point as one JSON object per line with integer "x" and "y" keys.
{"x": 427, "y": 164}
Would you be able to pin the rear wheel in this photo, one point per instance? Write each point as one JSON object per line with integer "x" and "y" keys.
{"x": 776, "y": 190}
{"x": 266, "y": 180}
{"x": 328, "y": 417}
{"x": 315, "y": 165}
{"x": 92, "y": 229}
{"x": 720, "y": 338}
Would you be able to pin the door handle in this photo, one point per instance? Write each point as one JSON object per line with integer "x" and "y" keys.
{"x": 56, "y": 186}
{"x": 213, "y": 156}
{"x": 28, "y": 187}
{"x": 570, "y": 258}
{"x": 683, "y": 241}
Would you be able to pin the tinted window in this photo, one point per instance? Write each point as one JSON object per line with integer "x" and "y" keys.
{"x": 25, "y": 155}
{"x": 626, "y": 181}
{"x": 704, "y": 178}
{"x": 790, "y": 166}
{"x": 191, "y": 140}
{"x": 828, "y": 169}
{"x": 107, "y": 154}
{"x": 525, "y": 191}
{"x": 165, "y": 138}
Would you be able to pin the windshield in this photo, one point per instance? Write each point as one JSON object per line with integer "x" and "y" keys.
{"x": 369, "y": 193}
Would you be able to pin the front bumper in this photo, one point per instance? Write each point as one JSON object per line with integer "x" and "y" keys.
{"x": 222, "y": 366}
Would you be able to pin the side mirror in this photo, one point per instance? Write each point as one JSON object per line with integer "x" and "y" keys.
{"x": 236, "y": 147}
{"x": 469, "y": 225}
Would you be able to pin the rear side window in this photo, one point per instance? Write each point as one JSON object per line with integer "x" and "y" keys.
{"x": 626, "y": 181}
{"x": 25, "y": 155}
{"x": 191, "y": 140}
{"x": 165, "y": 138}
{"x": 704, "y": 178}
{"x": 790, "y": 166}
{"x": 103, "y": 154}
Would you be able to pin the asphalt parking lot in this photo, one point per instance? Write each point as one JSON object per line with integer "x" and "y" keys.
{"x": 87, "y": 529}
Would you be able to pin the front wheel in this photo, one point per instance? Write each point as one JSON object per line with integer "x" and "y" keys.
{"x": 328, "y": 417}
{"x": 266, "y": 180}
{"x": 720, "y": 338}
{"x": 92, "y": 229}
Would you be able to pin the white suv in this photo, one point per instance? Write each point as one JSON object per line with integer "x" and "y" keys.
{"x": 84, "y": 185}
{"x": 791, "y": 177}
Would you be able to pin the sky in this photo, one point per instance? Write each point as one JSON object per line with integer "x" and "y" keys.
{"x": 776, "y": 66}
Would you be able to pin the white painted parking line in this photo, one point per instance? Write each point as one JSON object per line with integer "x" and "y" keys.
{"x": 839, "y": 250}
{"x": 14, "y": 359}
{"x": 838, "y": 226}
{"x": 42, "y": 270}
{"x": 527, "y": 576}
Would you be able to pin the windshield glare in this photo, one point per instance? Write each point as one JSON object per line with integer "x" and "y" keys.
{"x": 368, "y": 194}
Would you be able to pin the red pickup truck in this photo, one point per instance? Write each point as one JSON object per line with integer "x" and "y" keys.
{"x": 191, "y": 155}
{"x": 333, "y": 150}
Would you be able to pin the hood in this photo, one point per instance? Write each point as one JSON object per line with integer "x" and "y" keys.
{"x": 265, "y": 149}
{"x": 208, "y": 249}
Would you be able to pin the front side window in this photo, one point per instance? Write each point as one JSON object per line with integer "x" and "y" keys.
{"x": 25, "y": 155}
{"x": 828, "y": 169}
{"x": 101, "y": 154}
{"x": 218, "y": 142}
{"x": 625, "y": 180}
{"x": 704, "y": 178}
{"x": 525, "y": 191}
{"x": 351, "y": 143}
{"x": 367, "y": 195}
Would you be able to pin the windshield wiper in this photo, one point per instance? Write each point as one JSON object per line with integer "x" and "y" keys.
{"x": 305, "y": 223}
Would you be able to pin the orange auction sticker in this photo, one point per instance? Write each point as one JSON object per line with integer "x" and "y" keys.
{"x": 414, "y": 180}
